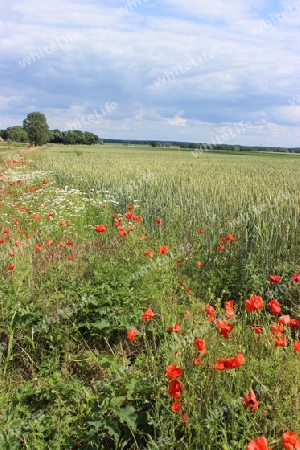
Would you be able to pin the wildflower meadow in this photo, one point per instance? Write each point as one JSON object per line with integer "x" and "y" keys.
{"x": 149, "y": 299}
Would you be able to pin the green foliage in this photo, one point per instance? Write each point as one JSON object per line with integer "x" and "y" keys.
{"x": 37, "y": 128}
{"x": 73, "y": 137}
{"x": 17, "y": 134}
{"x": 3, "y": 134}
{"x": 90, "y": 138}
{"x": 70, "y": 377}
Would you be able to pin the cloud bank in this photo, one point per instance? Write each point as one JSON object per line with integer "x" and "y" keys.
{"x": 176, "y": 70}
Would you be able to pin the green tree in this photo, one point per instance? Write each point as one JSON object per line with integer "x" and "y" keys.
{"x": 56, "y": 136}
{"x": 37, "y": 128}
{"x": 17, "y": 134}
{"x": 51, "y": 136}
{"x": 3, "y": 134}
{"x": 73, "y": 137}
{"x": 90, "y": 138}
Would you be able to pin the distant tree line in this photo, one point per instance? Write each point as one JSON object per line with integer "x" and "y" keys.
{"x": 35, "y": 130}
{"x": 73, "y": 137}
{"x": 203, "y": 146}
{"x": 16, "y": 134}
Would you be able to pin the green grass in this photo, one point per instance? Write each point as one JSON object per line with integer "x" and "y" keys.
{"x": 70, "y": 377}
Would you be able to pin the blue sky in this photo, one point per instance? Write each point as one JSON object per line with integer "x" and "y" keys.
{"x": 147, "y": 69}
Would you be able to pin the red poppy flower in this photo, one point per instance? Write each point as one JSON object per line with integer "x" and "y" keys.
{"x": 225, "y": 328}
{"x": 220, "y": 247}
{"x": 49, "y": 242}
{"x": 101, "y": 228}
{"x": 39, "y": 246}
{"x": 173, "y": 371}
{"x": 296, "y": 277}
{"x": 277, "y": 330}
{"x": 187, "y": 291}
{"x": 274, "y": 278}
{"x": 230, "y": 363}
{"x": 290, "y": 441}
{"x": 130, "y": 207}
{"x": 251, "y": 400}
{"x": 36, "y": 217}
{"x": 159, "y": 222}
{"x": 230, "y": 237}
{"x": 201, "y": 231}
{"x": 175, "y": 329}
{"x": 175, "y": 388}
{"x": 148, "y": 253}
{"x": 129, "y": 216}
{"x": 257, "y": 330}
{"x": 210, "y": 311}
{"x": 131, "y": 334}
{"x": 294, "y": 323}
{"x": 199, "y": 263}
{"x": 229, "y": 309}
{"x": 68, "y": 223}
{"x": 176, "y": 406}
{"x": 297, "y": 346}
{"x": 70, "y": 258}
{"x": 238, "y": 361}
{"x": 254, "y": 303}
{"x": 229, "y": 304}
{"x": 148, "y": 314}
{"x": 178, "y": 262}
{"x": 122, "y": 233}
{"x": 11, "y": 267}
{"x": 281, "y": 341}
{"x": 45, "y": 181}
{"x": 220, "y": 364}
{"x": 284, "y": 320}
{"x": 186, "y": 314}
{"x": 163, "y": 249}
{"x": 259, "y": 443}
{"x": 197, "y": 361}
{"x": 200, "y": 344}
{"x": 184, "y": 418}
{"x": 275, "y": 307}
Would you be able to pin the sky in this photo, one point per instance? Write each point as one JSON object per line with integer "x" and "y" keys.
{"x": 225, "y": 71}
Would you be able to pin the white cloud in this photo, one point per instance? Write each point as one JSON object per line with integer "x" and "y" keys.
{"x": 217, "y": 10}
{"x": 117, "y": 58}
